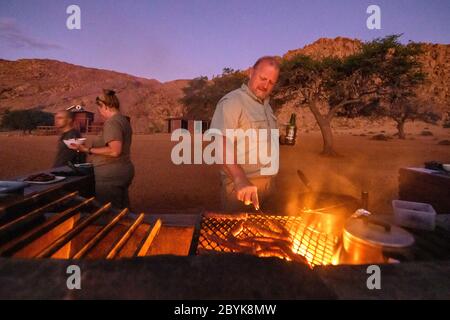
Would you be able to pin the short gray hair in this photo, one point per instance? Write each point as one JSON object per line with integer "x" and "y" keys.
{"x": 271, "y": 60}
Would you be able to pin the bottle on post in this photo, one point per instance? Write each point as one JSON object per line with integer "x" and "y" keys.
{"x": 291, "y": 131}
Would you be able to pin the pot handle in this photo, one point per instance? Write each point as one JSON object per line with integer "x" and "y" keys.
{"x": 386, "y": 226}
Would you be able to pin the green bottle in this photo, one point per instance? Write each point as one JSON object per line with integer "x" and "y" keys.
{"x": 291, "y": 130}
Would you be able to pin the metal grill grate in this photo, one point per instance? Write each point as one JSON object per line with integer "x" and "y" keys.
{"x": 318, "y": 248}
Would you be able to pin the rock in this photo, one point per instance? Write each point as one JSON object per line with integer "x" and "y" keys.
{"x": 380, "y": 137}
{"x": 444, "y": 143}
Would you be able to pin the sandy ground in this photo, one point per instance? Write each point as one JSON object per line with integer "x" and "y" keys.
{"x": 161, "y": 186}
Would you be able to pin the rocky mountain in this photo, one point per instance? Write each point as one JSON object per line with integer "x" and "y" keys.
{"x": 325, "y": 47}
{"x": 53, "y": 85}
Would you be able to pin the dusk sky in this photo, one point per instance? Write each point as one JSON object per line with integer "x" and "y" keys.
{"x": 175, "y": 39}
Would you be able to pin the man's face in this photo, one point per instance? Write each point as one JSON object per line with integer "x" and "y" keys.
{"x": 262, "y": 79}
{"x": 62, "y": 120}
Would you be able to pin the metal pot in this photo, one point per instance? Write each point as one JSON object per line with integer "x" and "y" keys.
{"x": 366, "y": 240}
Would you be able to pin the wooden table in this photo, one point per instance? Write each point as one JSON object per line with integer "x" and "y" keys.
{"x": 424, "y": 185}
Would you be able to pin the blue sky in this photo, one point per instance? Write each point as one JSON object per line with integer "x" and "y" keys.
{"x": 175, "y": 39}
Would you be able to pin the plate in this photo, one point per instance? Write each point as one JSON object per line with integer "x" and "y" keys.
{"x": 78, "y": 141}
{"x": 83, "y": 165}
{"x": 57, "y": 179}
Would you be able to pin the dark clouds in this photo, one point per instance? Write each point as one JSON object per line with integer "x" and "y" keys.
{"x": 13, "y": 36}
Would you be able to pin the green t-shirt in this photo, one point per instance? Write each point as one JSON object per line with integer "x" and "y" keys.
{"x": 116, "y": 128}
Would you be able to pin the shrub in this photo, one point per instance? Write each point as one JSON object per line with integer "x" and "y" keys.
{"x": 26, "y": 120}
{"x": 380, "y": 137}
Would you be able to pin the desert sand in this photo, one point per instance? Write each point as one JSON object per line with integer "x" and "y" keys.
{"x": 160, "y": 186}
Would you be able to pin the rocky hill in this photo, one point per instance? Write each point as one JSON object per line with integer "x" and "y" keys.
{"x": 54, "y": 85}
{"x": 435, "y": 61}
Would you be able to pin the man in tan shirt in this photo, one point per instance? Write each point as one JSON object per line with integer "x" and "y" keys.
{"x": 248, "y": 108}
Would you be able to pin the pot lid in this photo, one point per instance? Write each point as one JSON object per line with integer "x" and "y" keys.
{"x": 377, "y": 233}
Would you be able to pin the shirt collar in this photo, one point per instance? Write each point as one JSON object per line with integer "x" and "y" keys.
{"x": 251, "y": 94}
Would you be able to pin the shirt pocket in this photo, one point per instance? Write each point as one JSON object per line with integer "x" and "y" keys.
{"x": 257, "y": 121}
{"x": 259, "y": 124}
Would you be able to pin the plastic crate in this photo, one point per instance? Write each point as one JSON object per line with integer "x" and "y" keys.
{"x": 416, "y": 215}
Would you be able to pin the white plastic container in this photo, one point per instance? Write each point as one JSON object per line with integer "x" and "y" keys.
{"x": 416, "y": 215}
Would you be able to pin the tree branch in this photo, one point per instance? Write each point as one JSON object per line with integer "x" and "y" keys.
{"x": 336, "y": 108}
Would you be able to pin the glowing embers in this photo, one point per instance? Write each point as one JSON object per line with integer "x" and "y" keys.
{"x": 216, "y": 235}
